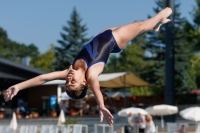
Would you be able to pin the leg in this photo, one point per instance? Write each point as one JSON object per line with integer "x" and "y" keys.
{"x": 125, "y": 33}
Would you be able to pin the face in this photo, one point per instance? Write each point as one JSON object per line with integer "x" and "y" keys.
{"x": 147, "y": 117}
{"x": 74, "y": 79}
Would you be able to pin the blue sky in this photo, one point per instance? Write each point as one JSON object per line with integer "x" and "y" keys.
{"x": 40, "y": 21}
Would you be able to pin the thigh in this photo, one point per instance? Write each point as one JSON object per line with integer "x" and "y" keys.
{"x": 126, "y": 33}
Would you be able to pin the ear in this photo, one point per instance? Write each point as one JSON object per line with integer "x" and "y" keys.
{"x": 84, "y": 82}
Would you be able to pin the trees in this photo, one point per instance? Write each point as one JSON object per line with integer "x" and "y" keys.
{"x": 193, "y": 30}
{"x": 15, "y": 51}
{"x": 46, "y": 59}
{"x": 156, "y": 46}
{"x": 130, "y": 59}
{"x": 71, "y": 42}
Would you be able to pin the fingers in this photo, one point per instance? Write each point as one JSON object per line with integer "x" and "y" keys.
{"x": 7, "y": 97}
{"x": 101, "y": 116}
{"x": 8, "y": 94}
{"x": 110, "y": 120}
{"x": 108, "y": 117}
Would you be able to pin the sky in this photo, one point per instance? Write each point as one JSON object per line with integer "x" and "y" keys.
{"x": 40, "y": 21}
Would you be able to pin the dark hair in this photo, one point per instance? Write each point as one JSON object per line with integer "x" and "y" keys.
{"x": 80, "y": 93}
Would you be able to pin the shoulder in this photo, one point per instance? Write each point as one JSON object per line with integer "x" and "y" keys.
{"x": 91, "y": 77}
{"x": 94, "y": 71}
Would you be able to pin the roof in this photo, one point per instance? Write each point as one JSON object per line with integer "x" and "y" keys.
{"x": 21, "y": 66}
{"x": 109, "y": 76}
{"x": 10, "y": 76}
{"x": 112, "y": 80}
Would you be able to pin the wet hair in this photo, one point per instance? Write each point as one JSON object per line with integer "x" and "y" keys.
{"x": 79, "y": 93}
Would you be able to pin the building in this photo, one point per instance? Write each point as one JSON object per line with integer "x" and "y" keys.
{"x": 12, "y": 73}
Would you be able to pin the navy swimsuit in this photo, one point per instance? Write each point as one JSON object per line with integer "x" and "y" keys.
{"x": 99, "y": 49}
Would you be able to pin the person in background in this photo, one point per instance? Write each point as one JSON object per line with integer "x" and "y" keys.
{"x": 84, "y": 110}
{"x": 183, "y": 129}
{"x": 130, "y": 128}
{"x": 150, "y": 126}
{"x": 63, "y": 107}
{"x": 141, "y": 123}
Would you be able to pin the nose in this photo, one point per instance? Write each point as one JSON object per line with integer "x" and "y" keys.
{"x": 69, "y": 80}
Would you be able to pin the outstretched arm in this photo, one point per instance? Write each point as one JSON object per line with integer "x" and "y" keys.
{"x": 103, "y": 112}
{"x": 39, "y": 80}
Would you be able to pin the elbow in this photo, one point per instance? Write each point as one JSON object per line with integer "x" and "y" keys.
{"x": 42, "y": 78}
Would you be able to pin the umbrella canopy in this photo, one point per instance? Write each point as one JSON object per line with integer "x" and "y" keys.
{"x": 112, "y": 80}
{"x": 61, "y": 118}
{"x": 121, "y": 79}
{"x": 13, "y": 123}
{"x": 64, "y": 96}
{"x": 192, "y": 113}
{"x": 133, "y": 110}
{"x": 161, "y": 110}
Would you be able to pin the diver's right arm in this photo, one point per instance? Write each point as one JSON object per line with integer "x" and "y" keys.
{"x": 39, "y": 80}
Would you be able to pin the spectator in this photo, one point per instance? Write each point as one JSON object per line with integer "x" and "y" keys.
{"x": 150, "y": 126}
{"x": 141, "y": 123}
{"x": 85, "y": 109}
{"x": 21, "y": 109}
{"x": 63, "y": 107}
{"x": 183, "y": 129}
{"x": 130, "y": 127}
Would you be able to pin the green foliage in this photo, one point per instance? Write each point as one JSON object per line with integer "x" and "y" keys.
{"x": 72, "y": 121}
{"x": 15, "y": 51}
{"x": 140, "y": 91}
{"x": 111, "y": 66}
{"x": 193, "y": 30}
{"x": 195, "y": 66}
{"x": 182, "y": 50}
{"x": 129, "y": 59}
{"x": 71, "y": 43}
{"x": 132, "y": 59}
{"x": 45, "y": 60}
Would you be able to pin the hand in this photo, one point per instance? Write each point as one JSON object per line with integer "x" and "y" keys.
{"x": 105, "y": 113}
{"x": 10, "y": 93}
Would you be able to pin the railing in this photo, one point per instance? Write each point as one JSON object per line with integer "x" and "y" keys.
{"x": 103, "y": 126}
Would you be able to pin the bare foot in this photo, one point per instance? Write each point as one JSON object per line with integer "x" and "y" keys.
{"x": 164, "y": 13}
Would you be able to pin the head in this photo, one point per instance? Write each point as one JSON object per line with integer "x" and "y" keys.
{"x": 130, "y": 114}
{"x": 139, "y": 114}
{"x": 76, "y": 85}
{"x": 148, "y": 117}
{"x": 182, "y": 126}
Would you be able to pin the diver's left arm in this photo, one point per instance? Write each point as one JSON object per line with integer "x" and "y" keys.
{"x": 103, "y": 112}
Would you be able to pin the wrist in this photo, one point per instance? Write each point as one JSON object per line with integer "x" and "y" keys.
{"x": 17, "y": 86}
{"x": 101, "y": 107}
